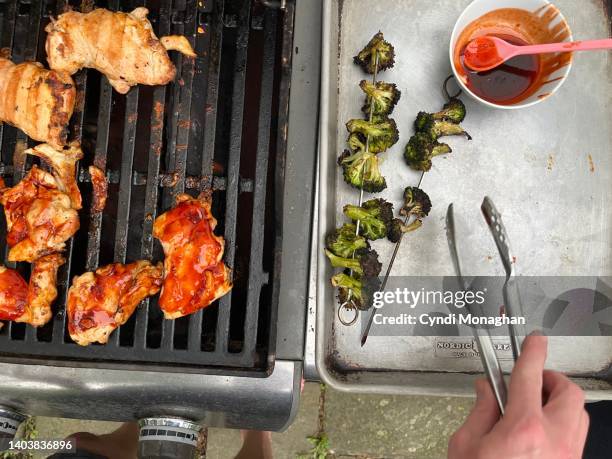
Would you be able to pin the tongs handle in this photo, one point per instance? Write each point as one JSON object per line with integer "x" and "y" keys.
{"x": 492, "y": 368}
{"x": 512, "y": 298}
{"x": 488, "y": 357}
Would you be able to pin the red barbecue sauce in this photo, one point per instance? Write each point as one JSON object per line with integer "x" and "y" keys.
{"x": 506, "y": 83}
{"x": 522, "y": 76}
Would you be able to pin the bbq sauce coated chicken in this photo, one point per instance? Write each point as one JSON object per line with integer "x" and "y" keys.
{"x": 195, "y": 276}
{"x": 99, "y": 302}
{"x": 38, "y": 101}
{"x": 41, "y": 210}
{"x": 30, "y": 303}
{"x": 122, "y": 46}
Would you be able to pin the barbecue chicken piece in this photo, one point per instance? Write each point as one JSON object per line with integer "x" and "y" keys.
{"x": 100, "y": 189}
{"x": 30, "y": 303}
{"x": 195, "y": 276}
{"x": 122, "y": 46}
{"x": 36, "y": 100}
{"x": 40, "y": 217}
{"x": 63, "y": 164}
{"x": 100, "y": 302}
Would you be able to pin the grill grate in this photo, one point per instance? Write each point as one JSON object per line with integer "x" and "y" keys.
{"x": 208, "y": 130}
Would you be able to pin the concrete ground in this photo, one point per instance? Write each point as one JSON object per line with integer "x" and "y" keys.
{"x": 345, "y": 426}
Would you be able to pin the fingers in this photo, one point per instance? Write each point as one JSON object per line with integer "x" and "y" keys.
{"x": 485, "y": 413}
{"x": 565, "y": 398}
{"x": 581, "y": 437}
{"x": 525, "y": 393}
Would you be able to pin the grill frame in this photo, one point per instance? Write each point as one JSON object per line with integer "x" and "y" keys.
{"x": 162, "y": 186}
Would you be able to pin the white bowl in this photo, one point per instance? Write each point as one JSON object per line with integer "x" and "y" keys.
{"x": 478, "y": 8}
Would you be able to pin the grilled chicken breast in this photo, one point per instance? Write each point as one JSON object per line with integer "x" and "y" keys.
{"x": 30, "y": 303}
{"x": 99, "y": 302}
{"x": 122, "y": 46}
{"x": 40, "y": 216}
{"x": 195, "y": 275}
{"x": 38, "y": 101}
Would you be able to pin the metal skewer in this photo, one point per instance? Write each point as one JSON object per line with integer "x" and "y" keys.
{"x": 364, "y": 336}
{"x": 349, "y": 304}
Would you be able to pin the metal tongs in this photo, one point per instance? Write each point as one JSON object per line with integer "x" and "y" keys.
{"x": 512, "y": 299}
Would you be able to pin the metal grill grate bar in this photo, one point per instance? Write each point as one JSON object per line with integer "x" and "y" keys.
{"x": 151, "y": 190}
{"x": 215, "y": 38}
{"x": 257, "y": 276}
{"x": 233, "y": 167}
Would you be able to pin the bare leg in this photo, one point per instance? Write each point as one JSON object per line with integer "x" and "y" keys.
{"x": 256, "y": 445}
{"x": 120, "y": 444}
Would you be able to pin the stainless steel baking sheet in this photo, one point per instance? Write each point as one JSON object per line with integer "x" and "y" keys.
{"x": 547, "y": 168}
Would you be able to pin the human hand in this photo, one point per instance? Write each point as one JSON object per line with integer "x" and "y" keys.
{"x": 545, "y": 416}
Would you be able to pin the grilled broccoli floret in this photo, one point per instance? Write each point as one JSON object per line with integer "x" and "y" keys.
{"x": 366, "y": 58}
{"x": 421, "y": 149}
{"x": 356, "y": 143}
{"x": 416, "y": 202}
{"x": 365, "y": 262}
{"x": 344, "y": 241}
{"x": 374, "y": 216}
{"x": 436, "y": 128}
{"x": 361, "y": 171}
{"x": 453, "y": 111}
{"x": 381, "y": 96}
{"x": 361, "y": 290}
{"x": 379, "y": 208}
{"x": 397, "y": 228}
{"x": 382, "y": 134}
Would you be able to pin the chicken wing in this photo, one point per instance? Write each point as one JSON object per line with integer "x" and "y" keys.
{"x": 195, "y": 276}
{"x": 40, "y": 217}
{"x": 122, "y": 46}
{"x": 38, "y": 101}
{"x": 30, "y": 303}
{"x": 63, "y": 163}
{"x": 100, "y": 302}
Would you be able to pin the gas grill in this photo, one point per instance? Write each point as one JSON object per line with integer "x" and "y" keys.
{"x": 226, "y": 124}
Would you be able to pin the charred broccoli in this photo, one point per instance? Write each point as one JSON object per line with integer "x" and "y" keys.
{"x": 436, "y": 128}
{"x": 344, "y": 241}
{"x": 421, "y": 149}
{"x": 377, "y": 46}
{"x": 356, "y": 143}
{"x": 397, "y": 228}
{"x": 361, "y": 171}
{"x": 365, "y": 262}
{"x": 382, "y": 132}
{"x": 374, "y": 217}
{"x": 453, "y": 111}
{"x": 416, "y": 202}
{"x": 362, "y": 289}
{"x": 381, "y": 96}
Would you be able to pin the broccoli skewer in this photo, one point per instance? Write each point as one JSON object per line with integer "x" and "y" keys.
{"x": 344, "y": 241}
{"x": 453, "y": 111}
{"x": 374, "y": 216}
{"x": 381, "y": 96}
{"x": 421, "y": 149}
{"x": 382, "y": 132}
{"x": 365, "y": 262}
{"x": 377, "y": 46}
{"x": 361, "y": 171}
{"x": 436, "y": 128}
